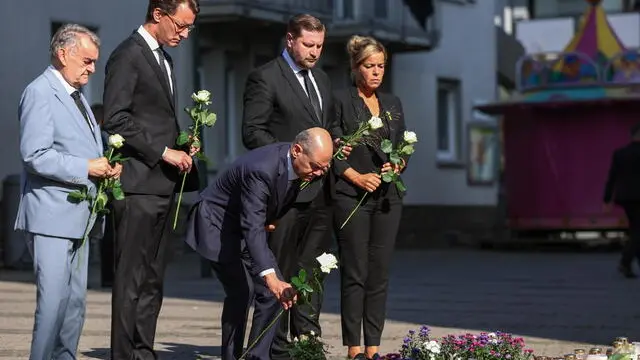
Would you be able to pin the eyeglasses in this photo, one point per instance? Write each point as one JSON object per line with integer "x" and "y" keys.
{"x": 179, "y": 26}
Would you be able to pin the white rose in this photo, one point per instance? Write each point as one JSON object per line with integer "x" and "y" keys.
{"x": 375, "y": 123}
{"x": 327, "y": 262}
{"x": 410, "y": 137}
{"x": 202, "y": 96}
{"x": 116, "y": 141}
{"x": 432, "y": 346}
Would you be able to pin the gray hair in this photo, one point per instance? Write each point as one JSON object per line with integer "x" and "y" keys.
{"x": 67, "y": 37}
{"x": 304, "y": 140}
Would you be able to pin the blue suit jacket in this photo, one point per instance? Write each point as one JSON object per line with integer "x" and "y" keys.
{"x": 55, "y": 145}
{"x": 233, "y": 211}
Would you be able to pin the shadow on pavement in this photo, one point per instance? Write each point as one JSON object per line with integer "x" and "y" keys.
{"x": 172, "y": 351}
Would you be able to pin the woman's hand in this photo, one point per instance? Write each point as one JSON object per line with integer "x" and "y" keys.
{"x": 387, "y": 167}
{"x": 369, "y": 182}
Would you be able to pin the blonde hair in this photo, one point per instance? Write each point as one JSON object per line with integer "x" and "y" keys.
{"x": 360, "y": 48}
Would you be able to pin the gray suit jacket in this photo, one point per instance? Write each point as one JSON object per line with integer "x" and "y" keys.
{"x": 55, "y": 145}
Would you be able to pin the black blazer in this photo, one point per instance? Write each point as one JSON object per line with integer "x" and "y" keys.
{"x": 246, "y": 197}
{"x": 623, "y": 183}
{"x": 276, "y": 107}
{"x": 138, "y": 105}
{"x": 350, "y": 111}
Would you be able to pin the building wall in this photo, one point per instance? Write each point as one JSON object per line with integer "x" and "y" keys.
{"x": 468, "y": 54}
{"x": 439, "y": 199}
{"x": 26, "y": 55}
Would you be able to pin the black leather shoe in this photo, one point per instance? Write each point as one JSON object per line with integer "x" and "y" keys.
{"x": 360, "y": 356}
{"x": 627, "y": 272}
{"x": 375, "y": 356}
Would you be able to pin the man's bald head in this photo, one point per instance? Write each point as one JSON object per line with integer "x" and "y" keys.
{"x": 311, "y": 152}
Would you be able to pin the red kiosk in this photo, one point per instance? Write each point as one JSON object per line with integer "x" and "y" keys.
{"x": 571, "y": 111}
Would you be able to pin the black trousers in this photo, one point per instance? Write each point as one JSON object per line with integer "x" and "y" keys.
{"x": 632, "y": 247}
{"x": 142, "y": 238}
{"x": 366, "y": 246}
{"x": 241, "y": 290}
{"x": 301, "y": 235}
{"x": 107, "y": 256}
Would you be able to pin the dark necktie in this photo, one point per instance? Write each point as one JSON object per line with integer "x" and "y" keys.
{"x": 163, "y": 68}
{"x": 76, "y": 98}
{"x": 292, "y": 191}
{"x": 313, "y": 95}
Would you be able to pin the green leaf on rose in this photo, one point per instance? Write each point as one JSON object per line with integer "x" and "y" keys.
{"x": 117, "y": 193}
{"x": 387, "y": 146}
{"x": 400, "y": 185}
{"x": 77, "y": 196}
{"x": 118, "y": 158}
{"x": 196, "y": 143}
{"x": 395, "y": 158}
{"x": 211, "y": 119}
{"x": 295, "y": 281}
{"x": 306, "y": 288}
{"x": 407, "y": 150}
{"x": 388, "y": 176}
{"x": 193, "y": 112}
{"x": 101, "y": 201}
{"x": 183, "y": 138}
{"x": 302, "y": 275}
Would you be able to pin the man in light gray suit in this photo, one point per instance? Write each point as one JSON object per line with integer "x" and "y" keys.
{"x": 61, "y": 151}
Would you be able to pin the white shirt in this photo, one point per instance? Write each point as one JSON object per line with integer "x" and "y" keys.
{"x": 70, "y": 89}
{"x": 154, "y": 46}
{"x": 291, "y": 175}
{"x": 296, "y": 70}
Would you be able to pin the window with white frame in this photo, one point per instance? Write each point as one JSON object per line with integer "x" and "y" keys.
{"x": 448, "y": 119}
{"x": 344, "y": 9}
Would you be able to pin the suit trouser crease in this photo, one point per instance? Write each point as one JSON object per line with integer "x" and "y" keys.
{"x": 306, "y": 226}
{"x": 61, "y": 282}
{"x": 366, "y": 246}
{"x": 142, "y": 239}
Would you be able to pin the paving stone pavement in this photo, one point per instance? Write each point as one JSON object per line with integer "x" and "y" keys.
{"x": 557, "y": 301}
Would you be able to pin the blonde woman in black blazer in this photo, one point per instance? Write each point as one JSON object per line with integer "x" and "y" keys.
{"x": 366, "y": 243}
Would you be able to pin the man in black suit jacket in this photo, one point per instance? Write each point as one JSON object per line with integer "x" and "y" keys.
{"x": 140, "y": 105}
{"x": 229, "y": 225}
{"x": 623, "y": 187}
{"x": 282, "y": 98}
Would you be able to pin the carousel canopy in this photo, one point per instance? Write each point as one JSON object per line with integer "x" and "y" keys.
{"x": 595, "y": 37}
{"x": 595, "y": 66}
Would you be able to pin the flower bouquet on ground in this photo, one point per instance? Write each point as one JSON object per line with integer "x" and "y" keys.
{"x": 397, "y": 157}
{"x": 308, "y": 347}
{"x": 106, "y": 187}
{"x": 200, "y": 117}
{"x": 418, "y": 346}
{"x": 485, "y": 346}
{"x": 305, "y": 286}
